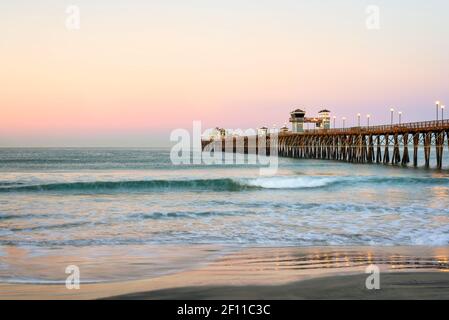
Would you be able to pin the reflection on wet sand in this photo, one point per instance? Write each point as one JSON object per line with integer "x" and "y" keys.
{"x": 264, "y": 267}
{"x": 281, "y": 265}
{"x": 322, "y": 258}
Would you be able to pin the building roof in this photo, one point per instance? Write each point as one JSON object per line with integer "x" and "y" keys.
{"x": 324, "y": 110}
{"x": 298, "y": 111}
{"x": 263, "y": 128}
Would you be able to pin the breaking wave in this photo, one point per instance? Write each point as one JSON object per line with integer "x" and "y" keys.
{"x": 224, "y": 184}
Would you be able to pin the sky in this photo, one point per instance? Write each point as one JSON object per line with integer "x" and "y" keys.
{"x": 136, "y": 70}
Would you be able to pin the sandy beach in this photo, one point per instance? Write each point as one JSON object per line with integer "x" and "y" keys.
{"x": 277, "y": 273}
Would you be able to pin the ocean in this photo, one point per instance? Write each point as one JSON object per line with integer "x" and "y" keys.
{"x": 116, "y": 211}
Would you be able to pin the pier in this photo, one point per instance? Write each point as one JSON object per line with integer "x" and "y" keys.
{"x": 397, "y": 144}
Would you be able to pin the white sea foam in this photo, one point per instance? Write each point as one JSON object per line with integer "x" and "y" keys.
{"x": 302, "y": 182}
{"x": 438, "y": 237}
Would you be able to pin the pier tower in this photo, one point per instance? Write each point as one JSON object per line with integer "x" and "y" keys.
{"x": 325, "y": 119}
{"x": 297, "y": 119}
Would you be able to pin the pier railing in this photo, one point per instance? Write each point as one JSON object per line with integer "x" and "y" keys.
{"x": 412, "y": 126}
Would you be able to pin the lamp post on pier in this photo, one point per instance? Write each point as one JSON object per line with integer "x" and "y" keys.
{"x": 400, "y": 117}
{"x": 344, "y": 122}
{"x": 392, "y": 115}
{"x": 368, "y": 116}
{"x": 335, "y": 118}
{"x": 438, "y": 106}
{"x": 442, "y": 114}
{"x": 358, "y": 119}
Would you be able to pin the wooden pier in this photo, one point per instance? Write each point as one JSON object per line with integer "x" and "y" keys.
{"x": 396, "y": 144}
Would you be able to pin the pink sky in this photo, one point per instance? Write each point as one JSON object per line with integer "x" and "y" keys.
{"x": 135, "y": 71}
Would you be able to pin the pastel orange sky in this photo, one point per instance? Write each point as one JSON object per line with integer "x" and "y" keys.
{"x": 135, "y": 70}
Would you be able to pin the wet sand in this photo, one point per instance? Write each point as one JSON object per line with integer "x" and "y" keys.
{"x": 278, "y": 273}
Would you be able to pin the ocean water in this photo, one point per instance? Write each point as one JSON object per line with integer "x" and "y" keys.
{"x": 95, "y": 206}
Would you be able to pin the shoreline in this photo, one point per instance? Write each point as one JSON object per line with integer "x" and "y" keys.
{"x": 276, "y": 273}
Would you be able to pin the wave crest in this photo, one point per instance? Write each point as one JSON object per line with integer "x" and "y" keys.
{"x": 204, "y": 184}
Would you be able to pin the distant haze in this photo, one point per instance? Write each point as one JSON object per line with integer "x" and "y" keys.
{"x": 135, "y": 70}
